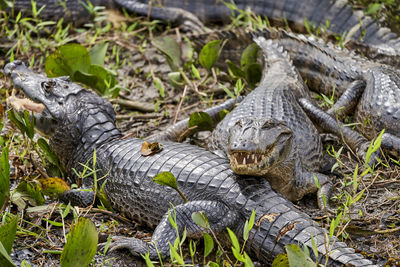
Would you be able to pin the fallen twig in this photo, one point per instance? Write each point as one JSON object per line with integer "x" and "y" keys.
{"x": 141, "y": 106}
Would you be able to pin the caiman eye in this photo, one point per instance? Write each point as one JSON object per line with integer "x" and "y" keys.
{"x": 48, "y": 86}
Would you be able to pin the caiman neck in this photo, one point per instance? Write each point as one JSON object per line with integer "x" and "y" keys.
{"x": 76, "y": 141}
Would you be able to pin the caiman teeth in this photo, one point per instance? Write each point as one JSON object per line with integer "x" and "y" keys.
{"x": 242, "y": 159}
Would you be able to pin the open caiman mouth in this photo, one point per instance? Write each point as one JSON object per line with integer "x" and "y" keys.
{"x": 249, "y": 160}
{"x": 21, "y": 104}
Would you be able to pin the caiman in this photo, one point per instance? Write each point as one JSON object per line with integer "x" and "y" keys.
{"x": 269, "y": 135}
{"x": 83, "y": 123}
{"x": 363, "y": 33}
{"x": 371, "y": 89}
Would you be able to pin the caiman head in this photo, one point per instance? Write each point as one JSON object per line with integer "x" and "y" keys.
{"x": 70, "y": 116}
{"x": 257, "y": 145}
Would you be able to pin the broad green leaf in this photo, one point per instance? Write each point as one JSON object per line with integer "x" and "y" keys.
{"x": 57, "y": 224}
{"x": 297, "y": 257}
{"x": 202, "y": 120}
{"x": 252, "y": 219}
{"x": 373, "y": 8}
{"x": 208, "y": 244}
{"x": 4, "y": 175}
{"x": 200, "y": 218}
{"x": 98, "y": 54}
{"x": 253, "y": 73}
{"x": 235, "y": 70}
{"x": 209, "y": 54}
{"x": 195, "y": 72}
{"x": 30, "y": 191}
{"x": 48, "y": 153}
{"x": 234, "y": 240}
{"x": 7, "y": 232}
{"x": 5, "y": 259}
{"x": 248, "y": 262}
{"x": 171, "y": 49}
{"x": 175, "y": 79}
{"x": 147, "y": 259}
{"x": 281, "y": 261}
{"x": 175, "y": 255}
{"x": 166, "y": 178}
{"x": 172, "y": 218}
{"x": 25, "y": 263}
{"x": 105, "y": 78}
{"x": 68, "y": 59}
{"x": 227, "y": 91}
{"x": 249, "y": 55}
{"x": 30, "y": 124}
{"x": 81, "y": 244}
{"x": 237, "y": 255}
{"x": 222, "y": 114}
{"x": 246, "y": 230}
{"x": 314, "y": 246}
{"x": 192, "y": 248}
{"x": 17, "y": 120}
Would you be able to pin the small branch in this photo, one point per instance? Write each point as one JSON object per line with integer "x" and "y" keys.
{"x": 107, "y": 212}
{"x": 141, "y": 106}
{"x": 387, "y": 231}
{"x": 139, "y": 117}
{"x": 180, "y": 104}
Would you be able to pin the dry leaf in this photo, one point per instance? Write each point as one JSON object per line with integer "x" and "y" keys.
{"x": 150, "y": 148}
{"x": 285, "y": 229}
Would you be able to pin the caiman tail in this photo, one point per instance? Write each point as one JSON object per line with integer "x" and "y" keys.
{"x": 278, "y": 223}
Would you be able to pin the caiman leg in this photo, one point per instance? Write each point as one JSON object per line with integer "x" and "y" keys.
{"x": 391, "y": 143}
{"x": 178, "y": 16}
{"x": 354, "y": 140}
{"x": 219, "y": 217}
{"x": 306, "y": 185}
{"x": 179, "y": 131}
{"x": 348, "y": 100}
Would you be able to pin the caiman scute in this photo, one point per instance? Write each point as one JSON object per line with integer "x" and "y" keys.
{"x": 82, "y": 122}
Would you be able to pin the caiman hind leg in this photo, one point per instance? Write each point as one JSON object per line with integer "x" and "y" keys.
{"x": 219, "y": 217}
{"x": 179, "y": 131}
{"x": 326, "y": 122}
{"x": 348, "y": 100}
{"x": 186, "y": 19}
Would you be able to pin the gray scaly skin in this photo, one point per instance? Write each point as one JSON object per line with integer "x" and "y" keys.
{"x": 366, "y": 35}
{"x": 269, "y": 135}
{"x": 372, "y": 89}
{"x": 85, "y": 122}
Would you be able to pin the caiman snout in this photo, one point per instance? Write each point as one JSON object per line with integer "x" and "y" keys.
{"x": 10, "y": 67}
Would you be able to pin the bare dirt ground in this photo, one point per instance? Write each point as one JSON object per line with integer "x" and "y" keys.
{"x": 371, "y": 225}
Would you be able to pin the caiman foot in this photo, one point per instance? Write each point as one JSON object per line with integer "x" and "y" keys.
{"x": 218, "y": 214}
{"x": 135, "y": 246}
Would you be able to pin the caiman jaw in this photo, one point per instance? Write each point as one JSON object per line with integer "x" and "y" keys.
{"x": 250, "y": 163}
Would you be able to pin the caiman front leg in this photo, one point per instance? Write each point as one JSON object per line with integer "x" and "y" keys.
{"x": 306, "y": 184}
{"x": 219, "y": 217}
{"x": 353, "y": 139}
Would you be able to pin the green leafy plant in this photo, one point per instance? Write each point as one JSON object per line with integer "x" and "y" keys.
{"x": 81, "y": 244}
{"x": 83, "y": 66}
